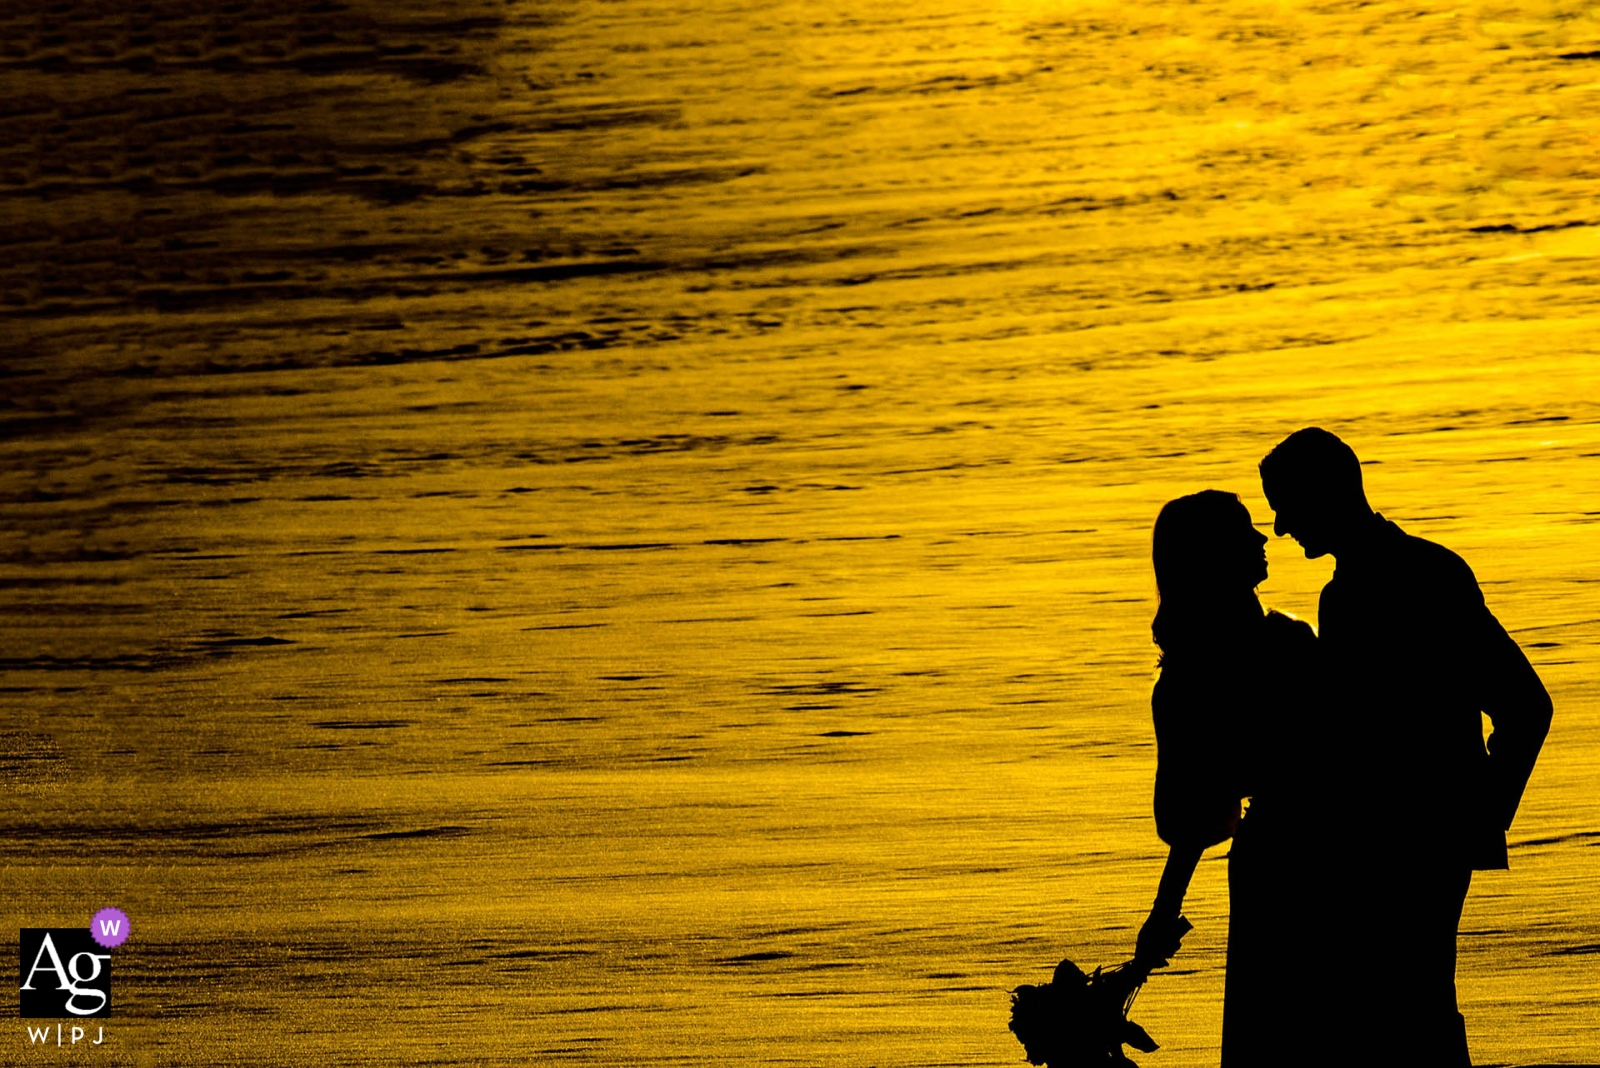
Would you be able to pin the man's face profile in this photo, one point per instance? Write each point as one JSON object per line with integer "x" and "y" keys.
{"x": 1295, "y": 516}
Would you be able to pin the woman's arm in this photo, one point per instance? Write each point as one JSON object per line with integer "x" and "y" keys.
{"x": 1164, "y": 929}
{"x": 1181, "y": 863}
{"x": 1196, "y": 767}
{"x": 1195, "y": 805}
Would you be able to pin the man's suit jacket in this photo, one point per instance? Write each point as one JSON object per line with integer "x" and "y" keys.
{"x": 1415, "y": 656}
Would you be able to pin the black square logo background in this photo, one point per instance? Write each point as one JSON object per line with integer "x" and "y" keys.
{"x": 47, "y": 1000}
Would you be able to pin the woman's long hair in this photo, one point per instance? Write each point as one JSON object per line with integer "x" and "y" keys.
{"x": 1203, "y": 606}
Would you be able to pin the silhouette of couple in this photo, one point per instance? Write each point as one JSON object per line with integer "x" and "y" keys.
{"x": 1372, "y": 795}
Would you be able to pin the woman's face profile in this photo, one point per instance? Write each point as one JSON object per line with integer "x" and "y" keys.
{"x": 1245, "y": 551}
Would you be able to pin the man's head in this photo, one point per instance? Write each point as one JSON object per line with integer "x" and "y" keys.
{"x": 1313, "y": 483}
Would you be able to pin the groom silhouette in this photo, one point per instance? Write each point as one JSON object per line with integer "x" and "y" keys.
{"x": 1415, "y": 658}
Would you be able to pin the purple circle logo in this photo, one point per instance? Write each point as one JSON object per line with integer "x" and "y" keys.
{"x": 109, "y": 927}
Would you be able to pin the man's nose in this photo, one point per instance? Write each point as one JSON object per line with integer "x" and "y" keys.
{"x": 1277, "y": 525}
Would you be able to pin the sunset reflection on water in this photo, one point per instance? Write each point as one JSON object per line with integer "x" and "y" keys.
{"x": 596, "y": 532}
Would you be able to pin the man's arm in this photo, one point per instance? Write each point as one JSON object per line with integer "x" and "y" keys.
{"x": 1507, "y": 689}
{"x": 1519, "y": 709}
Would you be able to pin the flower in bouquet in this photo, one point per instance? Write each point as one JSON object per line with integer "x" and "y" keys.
{"x": 1078, "y": 1020}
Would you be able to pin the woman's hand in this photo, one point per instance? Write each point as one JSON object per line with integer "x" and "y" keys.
{"x": 1160, "y": 938}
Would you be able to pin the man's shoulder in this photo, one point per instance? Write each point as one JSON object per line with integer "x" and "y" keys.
{"x": 1418, "y": 560}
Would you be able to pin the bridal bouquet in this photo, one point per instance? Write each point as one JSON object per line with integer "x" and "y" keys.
{"x": 1078, "y": 1020}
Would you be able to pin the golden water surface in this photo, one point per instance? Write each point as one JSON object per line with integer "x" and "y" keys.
{"x": 617, "y": 533}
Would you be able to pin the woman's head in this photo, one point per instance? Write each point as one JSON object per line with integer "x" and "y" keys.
{"x": 1208, "y": 559}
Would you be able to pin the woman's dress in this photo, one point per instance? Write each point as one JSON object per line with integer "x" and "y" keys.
{"x": 1241, "y": 720}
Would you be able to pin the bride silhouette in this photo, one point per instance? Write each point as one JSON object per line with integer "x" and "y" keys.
{"x": 1238, "y": 720}
{"x": 1238, "y": 717}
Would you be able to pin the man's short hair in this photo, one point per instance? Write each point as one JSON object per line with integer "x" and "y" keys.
{"x": 1315, "y": 460}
